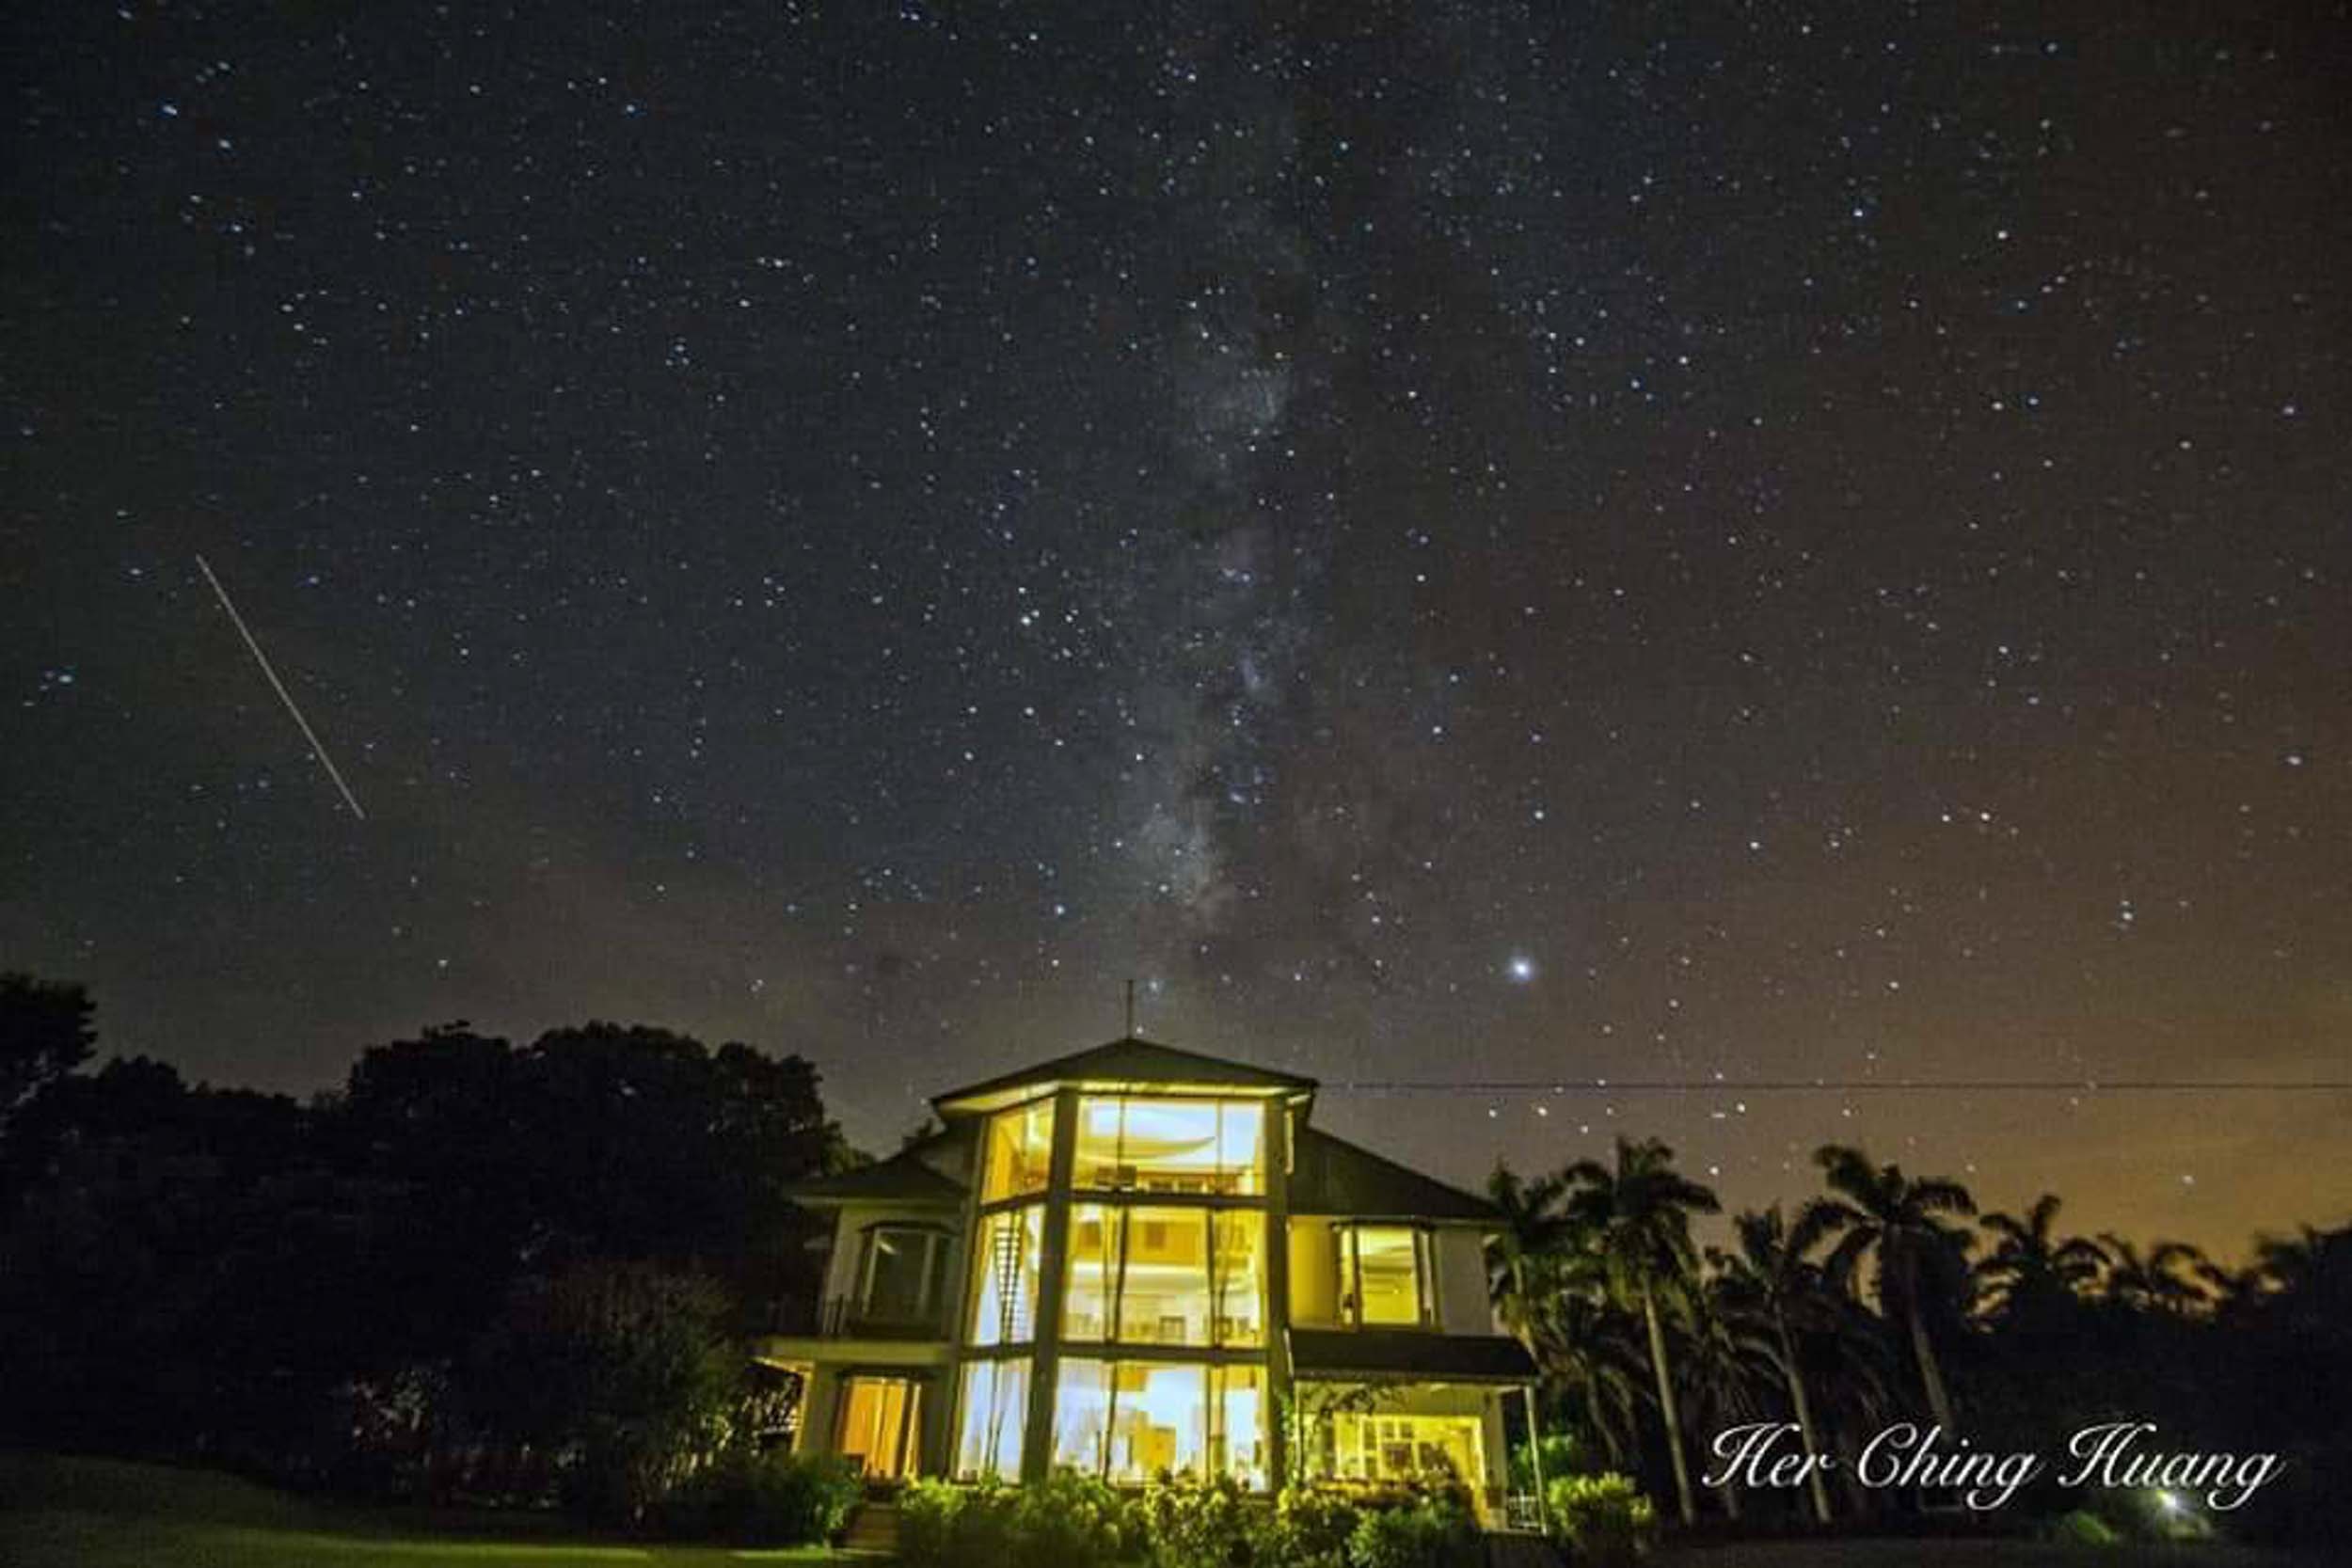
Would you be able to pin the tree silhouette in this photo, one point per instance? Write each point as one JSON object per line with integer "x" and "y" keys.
{"x": 1636, "y": 1216}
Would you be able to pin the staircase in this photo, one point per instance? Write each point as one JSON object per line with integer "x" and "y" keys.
{"x": 873, "y": 1528}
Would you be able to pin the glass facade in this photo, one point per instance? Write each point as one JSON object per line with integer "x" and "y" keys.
{"x": 1150, "y": 1276}
{"x": 1164, "y": 1252}
{"x": 1020, "y": 1152}
{"x": 1007, "y": 1261}
{"x": 1137, "y": 1143}
{"x": 1138, "y": 1420}
{"x": 995, "y": 1412}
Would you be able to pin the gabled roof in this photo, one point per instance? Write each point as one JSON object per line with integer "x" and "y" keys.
{"x": 1414, "y": 1354}
{"x": 1123, "y": 1063}
{"x": 1331, "y": 1176}
{"x": 911, "y": 1175}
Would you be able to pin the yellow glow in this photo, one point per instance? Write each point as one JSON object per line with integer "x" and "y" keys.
{"x": 995, "y": 1409}
{"x": 1005, "y": 1276}
{"x": 1388, "y": 1269}
{"x": 1402, "y": 1449}
{"x": 1150, "y": 1276}
{"x": 1153, "y": 1144}
{"x": 1019, "y": 1151}
{"x": 880, "y": 1417}
{"x": 1136, "y": 1421}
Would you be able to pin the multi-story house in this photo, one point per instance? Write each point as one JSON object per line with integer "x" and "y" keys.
{"x": 1138, "y": 1260}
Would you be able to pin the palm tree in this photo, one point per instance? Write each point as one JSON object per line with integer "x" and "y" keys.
{"x": 1525, "y": 1246}
{"x": 1638, "y": 1218}
{"x": 1771, "y": 1276}
{"x": 1878, "y": 1210}
{"x": 1727, "y": 1356}
{"x": 2164, "y": 1279}
{"x": 1590, "y": 1352}
{"x": 2030, "y": 1264}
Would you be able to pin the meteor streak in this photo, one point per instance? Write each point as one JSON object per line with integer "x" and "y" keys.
{"x": 278, "y": 686}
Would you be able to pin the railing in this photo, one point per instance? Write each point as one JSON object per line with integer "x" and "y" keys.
{"x": 846, "y": 1319}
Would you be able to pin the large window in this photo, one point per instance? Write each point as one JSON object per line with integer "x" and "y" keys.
{"x": 996, "y": 1407}
{"x": 1019, "y": 1151}
{"x": 1142, "y": 1143}
{"x": 1400, "y": 1450}
{"x": 1136, "y": 1421}
{"x": 898, "y": 1277}
{"x": 881, "y": 1418}
{"x": 1005, "y": 1276}
{"x": 1386, "y": 1275}
{"x": 1164, "y": 1276}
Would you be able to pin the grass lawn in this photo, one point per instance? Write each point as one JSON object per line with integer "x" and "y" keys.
{"x": 105, "y": 1513}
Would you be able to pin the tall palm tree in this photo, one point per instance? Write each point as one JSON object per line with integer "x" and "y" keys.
{"x": 2030, "y": 1264}
{"x": 1878, "y": 1210}
{"x": 1637, "y": 1216}
{"x": 1771, "y": 1276}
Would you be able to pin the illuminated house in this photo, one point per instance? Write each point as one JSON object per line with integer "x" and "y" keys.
{"x": 1137, "y": 1260}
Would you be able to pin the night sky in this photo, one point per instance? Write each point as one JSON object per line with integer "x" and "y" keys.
{"x": 1451, "y": 541}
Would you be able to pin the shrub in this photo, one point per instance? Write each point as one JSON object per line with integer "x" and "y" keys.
{"x": 1603, "y": 1519}
{"x": 1435, "y": 1532}
{"x": 1312, "y": 1529}
{"x": 1065, "y": 1521}
{"x": 765, "y": 1499}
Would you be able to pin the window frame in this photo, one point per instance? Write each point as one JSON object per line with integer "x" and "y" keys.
{"x": 1429, "y": 1318}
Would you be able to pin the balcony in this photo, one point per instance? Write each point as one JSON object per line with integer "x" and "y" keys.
{"x": 844, "y": 1318}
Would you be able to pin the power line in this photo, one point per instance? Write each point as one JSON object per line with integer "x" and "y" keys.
{"x": 1837, "y": 1086}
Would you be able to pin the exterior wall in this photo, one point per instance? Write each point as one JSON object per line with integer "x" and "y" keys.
{"x": 1314, "y": 1293}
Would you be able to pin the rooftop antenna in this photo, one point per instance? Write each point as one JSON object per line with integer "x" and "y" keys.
{"x": 1131, "y": 1006}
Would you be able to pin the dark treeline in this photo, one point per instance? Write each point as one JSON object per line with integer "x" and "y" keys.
{"x": 445, "y": 1277}
{"x": 1887, "y": 1299}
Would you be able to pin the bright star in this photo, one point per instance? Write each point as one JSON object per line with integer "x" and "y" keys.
{"x": 1521, "y": 968}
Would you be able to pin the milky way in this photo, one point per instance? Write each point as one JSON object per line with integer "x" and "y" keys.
{"x": 1459, "y": 546}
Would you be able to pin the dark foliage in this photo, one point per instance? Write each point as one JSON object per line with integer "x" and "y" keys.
{"x": 309, "y": 1290}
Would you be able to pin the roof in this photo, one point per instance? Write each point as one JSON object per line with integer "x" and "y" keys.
{"x": 1409, "y": 1354}
{"x": 1127, "y": 1062}
{"x": 1331, "y": 1176}
{"x": 906, "y": 1176}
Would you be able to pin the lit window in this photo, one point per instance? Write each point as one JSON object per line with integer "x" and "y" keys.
{"x": 1005, "y": 1274}
{"x": 1387, "y": 1270}
{"x": 1143, "y": 1144}
{"x": 1019, "y": 1151}
{"x": 1164, "y": 1276}
{"x": 1402, "y": 1451}
{"x": 995, "y": 1409}
{"x": 1138, "y": 1420}
{"x": 879, "y": 1418}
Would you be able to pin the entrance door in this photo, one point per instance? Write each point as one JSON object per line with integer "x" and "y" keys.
{"x": 881, "y": 1421}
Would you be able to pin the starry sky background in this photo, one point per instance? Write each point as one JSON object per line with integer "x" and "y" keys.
{"x": 1462, "y": 542}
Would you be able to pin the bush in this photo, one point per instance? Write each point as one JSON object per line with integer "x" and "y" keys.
{"x": 1436, "y": 1532}
{"x": 1603, "y": 1519}
{"x": 1065, "y": 1521}
{"x": 1312, "y": 1529}
{"x": 750, "y": 1498}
